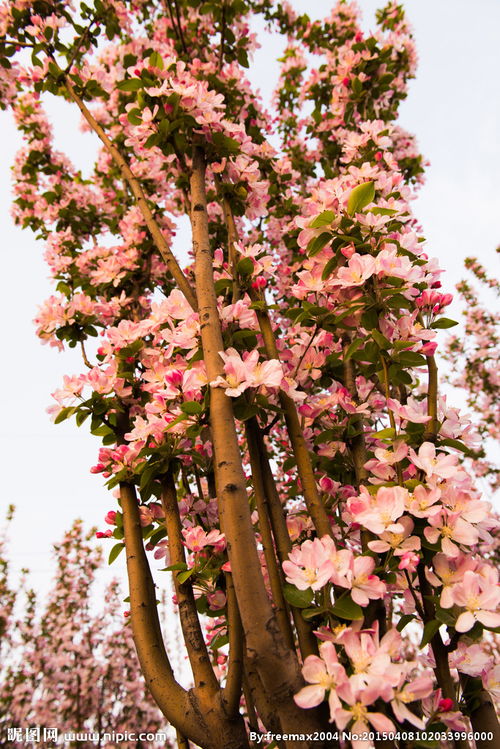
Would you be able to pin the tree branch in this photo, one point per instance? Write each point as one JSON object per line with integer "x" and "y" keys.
{"x": 138, "y": 193}
{"x": 231, "y": 694}
{"x": 171, "y": 698}
{"x": 193, "y": 636}
{"x": 275, "y": 574}
{"x": 312, "y": 498}
{"x": 432, "y": 396}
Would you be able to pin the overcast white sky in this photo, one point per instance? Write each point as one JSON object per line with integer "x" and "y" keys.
{"x": 454, "y": 109}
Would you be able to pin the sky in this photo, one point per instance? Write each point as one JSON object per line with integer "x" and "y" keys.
{"x": 453, "y": 107}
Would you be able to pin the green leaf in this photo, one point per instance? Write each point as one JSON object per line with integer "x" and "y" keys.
{"x": 430, "y": 630}
{"x": 153, "y": 140}
{"x": 155, "y": 60}
{"x": 300, "y": 599}
{"x": 445, "y": 616}
{"x": 224, "y": 143}
{"x": 179, "y": 566}
{"x": 115, "y": 551}
{"x": 244, "y": 411}
{"x": 64, "y": 413}
{"x": 245, "y": 266}
{"x": 219, "y": 642}
{"x": 387, "y": 433}
{"x": 411, "y": 359}
{"x": 130, "y": 84}
{"x": 382, "y": 211}
{"x": 380, "y": 340}
{"x": 356, "y": 86}
{"x": 191, "y": 408}
{"x": 134, "y": 116}
{"x": 324, "y": 219}
{"x": 443, "y": 323}
{"x": 353, "y": 346}
{"x": 360, "y": 197}
{"x": 81, "y": 416}
{"x": 329, "y": 267}
{"x": 448, "y": 442}
{"x": 221, "y": 284}
{"x": 317, "y": 243}
{"x": 308, "y": 614}
{"x": 183, "y": 576}
{"x": 405, "y": 619}
{"x": 345, "y": 608}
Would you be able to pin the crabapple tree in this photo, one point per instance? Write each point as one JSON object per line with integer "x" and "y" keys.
{"x": 271, "y": 416}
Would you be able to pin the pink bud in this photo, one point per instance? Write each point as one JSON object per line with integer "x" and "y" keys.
{"x": 259, "y": 283}
{"x": 446, "y": 299}
{"x": 104, "y": 534}
{"x": 216, "y": 600}
{"x": 409, "y": 561}
{"x": 429, "y": 348}
{"x": 110, "y": 517}
{"x": 130, "y": 359}
{"x": 348, "y": 251}
{"x": 445, "y": 705}
{"x": 378, "y": 156}
{"x": 346, "y": 81}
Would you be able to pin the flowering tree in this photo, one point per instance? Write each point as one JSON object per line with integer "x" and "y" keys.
{"x": 270, "y": 414}
{"x": 67, "y": 666}
{"x": 475, "y": 365}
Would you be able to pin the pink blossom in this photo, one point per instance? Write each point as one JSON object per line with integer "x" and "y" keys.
{"x": 448, "y": 572}
{"x": 422, "y": 502}
{"x": 442, "y": 708}
{"x": 196, "y": 538}
{"x": 480, "y": 598}
{"x": 308, "y": 566}
{"x": 247, "y": 372}
{"x": 341, "y": 561}
{"x": 408, "y": 412}
{"x": 434, "y": 464}
{"x": 491, "y": 681}
{"x": 390, "y": 457}
{"x": 378, "y": 513}
{"x": 357, "y": 712}
{"x": 470, "y": 659}
{"x": 323, "y": 674}
{"x": 236, "y": 380}
{"x": 411, "y": 692}
{"x": 399, "y": 543}
{"x": 371, "y": 661}
{"x": 450, "y": 528}
{"x": 356, "y": 272}
{"x": 365, "y": 586}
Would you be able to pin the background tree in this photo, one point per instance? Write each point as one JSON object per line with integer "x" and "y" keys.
{"x": 68, "y": 664}
{"x": 474, "y": 359}
{"x": 274, "y": 407}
